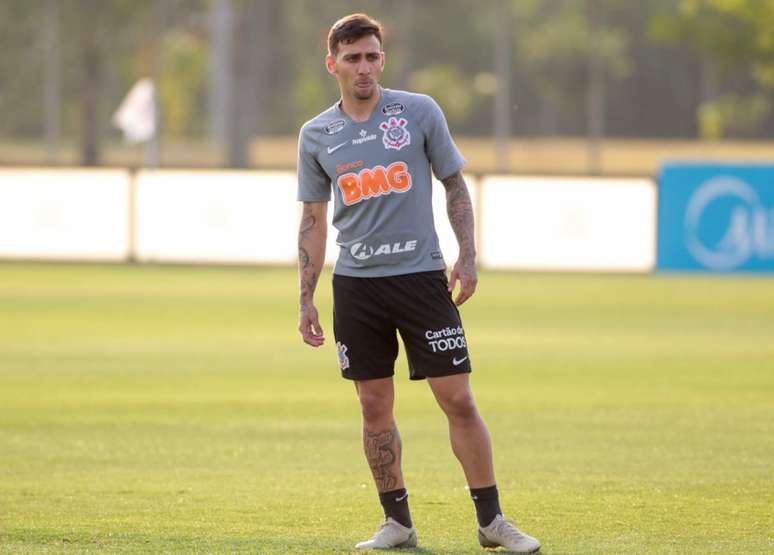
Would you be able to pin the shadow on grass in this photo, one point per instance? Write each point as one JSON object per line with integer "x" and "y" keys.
{"x": 426, "y": 551}
{"x": 79, "y": 541}
{"x": 27, "y": 540}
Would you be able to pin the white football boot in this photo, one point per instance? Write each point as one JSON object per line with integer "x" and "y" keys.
{"x": 502, "y": 532}
{"x": 392, "y": 534}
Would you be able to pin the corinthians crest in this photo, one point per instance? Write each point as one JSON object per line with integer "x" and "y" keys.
{"x": 341, "y": 352}
{"x": 395, "y": 133}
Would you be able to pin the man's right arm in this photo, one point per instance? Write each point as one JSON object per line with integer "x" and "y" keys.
{"x": 312, "y": 233}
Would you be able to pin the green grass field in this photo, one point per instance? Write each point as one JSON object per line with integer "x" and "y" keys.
{"x": 174, "y": 409}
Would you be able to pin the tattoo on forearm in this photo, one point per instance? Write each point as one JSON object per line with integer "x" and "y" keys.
{"x": 308, "y": 273}
{"x": 303, "y": 257}
{"x": 308, "y": 221}
{"x": 308, "y": 285}
{"x": 460, "y": 211}
{"x": 382, "y": 450}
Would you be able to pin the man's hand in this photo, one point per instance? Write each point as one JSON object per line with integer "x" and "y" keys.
{"x": 460, "y": 211}
{"x": 311, "y": 254}
{"x": 309, "y": 326}
{"x": 464, "y": 271}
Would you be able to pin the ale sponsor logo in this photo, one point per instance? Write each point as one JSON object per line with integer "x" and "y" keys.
{"x": 363, "y": 251}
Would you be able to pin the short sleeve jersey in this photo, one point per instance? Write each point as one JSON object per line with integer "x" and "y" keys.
{"x": 379, "y": 172}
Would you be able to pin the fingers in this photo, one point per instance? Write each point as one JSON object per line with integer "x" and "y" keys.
{"x": 318, "y": 331}
{"x": 468, "y": 282}
{"x": 313, "y": 336}
{"x": 462, "y": 296}
{"x": 453, "y": 279}
{"x": 467, "y": 288}
{"x": 311, "y": 330}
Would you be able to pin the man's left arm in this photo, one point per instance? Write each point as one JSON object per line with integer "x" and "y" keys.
{"x": 460, "y": 211}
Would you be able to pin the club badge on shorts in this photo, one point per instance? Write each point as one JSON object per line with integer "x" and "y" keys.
{"x": 396, "y": 135}
{"x": 341, "y": 352}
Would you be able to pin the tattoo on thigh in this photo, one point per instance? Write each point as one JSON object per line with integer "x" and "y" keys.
{"x": 382, "y": 451}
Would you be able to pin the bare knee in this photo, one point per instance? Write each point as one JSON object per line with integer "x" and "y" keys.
{"x": 376, "y": 406}
{"x": 459, "y": 407}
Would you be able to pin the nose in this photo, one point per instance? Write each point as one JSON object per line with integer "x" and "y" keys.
{"x": 363, "y": 68}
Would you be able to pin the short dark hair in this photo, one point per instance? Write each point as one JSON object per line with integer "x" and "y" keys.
{"x": 351, "y": 28}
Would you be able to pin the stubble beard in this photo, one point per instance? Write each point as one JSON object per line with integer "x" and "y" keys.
{"x": 364, "y": 95}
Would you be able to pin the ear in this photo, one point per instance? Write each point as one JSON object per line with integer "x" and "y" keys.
{"x": 330, "y": 64}
{"x": 383, "y": 58}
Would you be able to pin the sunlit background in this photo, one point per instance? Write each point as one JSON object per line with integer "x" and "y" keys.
{"x": 539, "y": 86}
{"x": 155, "y": 396}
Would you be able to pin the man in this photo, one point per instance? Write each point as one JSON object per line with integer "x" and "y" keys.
{"x": 375, "y": 148}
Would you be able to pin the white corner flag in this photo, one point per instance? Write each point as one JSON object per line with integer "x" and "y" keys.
{"x": 136, "y": 116}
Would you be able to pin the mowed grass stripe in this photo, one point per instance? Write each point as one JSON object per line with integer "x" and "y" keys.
{"x": 174, "y": 409}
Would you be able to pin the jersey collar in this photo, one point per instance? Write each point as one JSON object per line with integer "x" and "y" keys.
{"x": 382, "y": 101}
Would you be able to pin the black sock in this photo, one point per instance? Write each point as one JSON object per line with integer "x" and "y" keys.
{"x": 395, "y": 505}
{"x": 487, "y": 504}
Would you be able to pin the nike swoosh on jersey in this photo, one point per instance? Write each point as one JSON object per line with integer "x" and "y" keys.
{"x": 332, "y": 149}
{"x": 456, "y": 362}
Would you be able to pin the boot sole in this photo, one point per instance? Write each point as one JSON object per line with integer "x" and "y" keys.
{"x": 488, "y": 544}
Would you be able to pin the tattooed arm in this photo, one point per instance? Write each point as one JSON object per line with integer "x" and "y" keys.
{"x": 311, "y": 255}
{"x": 460, "y": 211}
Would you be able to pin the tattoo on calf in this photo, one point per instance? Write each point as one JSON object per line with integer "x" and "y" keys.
{"x": 382, "y": 450}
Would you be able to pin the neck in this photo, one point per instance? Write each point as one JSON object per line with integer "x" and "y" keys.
{"x": 360, "y": 110}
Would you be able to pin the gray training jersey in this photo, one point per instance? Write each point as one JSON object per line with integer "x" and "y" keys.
{"x": 379, "y": 171}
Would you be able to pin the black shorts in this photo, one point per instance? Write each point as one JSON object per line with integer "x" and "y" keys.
{"x": 367, "y": 313}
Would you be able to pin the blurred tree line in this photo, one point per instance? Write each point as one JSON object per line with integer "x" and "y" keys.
{"x": 228, "y": 70}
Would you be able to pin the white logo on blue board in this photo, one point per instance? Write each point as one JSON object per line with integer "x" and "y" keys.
{"x": 749, "y": 227}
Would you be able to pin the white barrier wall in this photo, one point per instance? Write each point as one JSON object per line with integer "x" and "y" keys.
{"x": 71, "y": 214}
{"x": 553, "y": 223}
{"x": 331, "y": 248}
{"x": 527, "y": 223}
{"x": 223, "y": 216}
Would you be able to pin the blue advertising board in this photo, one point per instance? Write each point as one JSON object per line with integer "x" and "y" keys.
{"x": 716, "y": 217}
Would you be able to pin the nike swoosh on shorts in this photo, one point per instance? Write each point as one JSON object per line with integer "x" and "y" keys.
{"x": 456, "y": 362}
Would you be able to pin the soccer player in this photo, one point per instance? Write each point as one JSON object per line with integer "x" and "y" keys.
{"x": 375, "y": 148}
